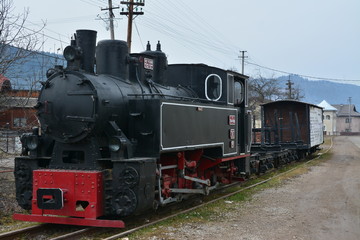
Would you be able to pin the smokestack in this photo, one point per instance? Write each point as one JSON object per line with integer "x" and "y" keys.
{"x": 86, "y": 40}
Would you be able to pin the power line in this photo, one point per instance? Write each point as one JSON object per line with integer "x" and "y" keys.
{"x": 91, "y": 2}
{"x": 63, "y": 20}
{"x": 303, "y": 75}
{"x": 181, "y": 16}
{"x": 211, "y": 31}
{"x": 44, "y": 24}
{"x": 184, "y": 22}
{"x": 138, "y": 33}
{"x": 37, "y": 32}
{"x": 221, "y": 45}
{"x": 182, "y": 40}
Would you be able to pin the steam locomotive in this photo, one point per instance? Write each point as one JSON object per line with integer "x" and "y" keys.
{"x": 123, "y": 133}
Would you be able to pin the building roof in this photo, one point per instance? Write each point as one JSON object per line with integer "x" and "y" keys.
{"x": 326, "y": 106}
{"x": 18, "y": 102}
{"x": 345, "y": 110}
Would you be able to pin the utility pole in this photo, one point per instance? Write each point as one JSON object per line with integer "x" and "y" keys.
{"x": 111, "y": 18}
{"x": 243, "y": 60}
{"x": 349, "y": 114}
{"x": 131, "y": 13}
{"x": 289, "y": 83}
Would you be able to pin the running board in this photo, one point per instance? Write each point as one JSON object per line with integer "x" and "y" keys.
{"x": 205, "y": 191}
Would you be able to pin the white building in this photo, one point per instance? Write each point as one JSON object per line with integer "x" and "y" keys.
{"x": 330, "y": 118}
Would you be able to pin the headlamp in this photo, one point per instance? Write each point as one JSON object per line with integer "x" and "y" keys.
{"x": 32, "y": 142}
{"x": 114, "y": 144}
{"x": 71, "y": 53}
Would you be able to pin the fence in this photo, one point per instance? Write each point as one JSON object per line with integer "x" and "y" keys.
{"x": 10, "y": 142}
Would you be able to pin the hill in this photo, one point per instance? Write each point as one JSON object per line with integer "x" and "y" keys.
{"x": 316, "y": 91}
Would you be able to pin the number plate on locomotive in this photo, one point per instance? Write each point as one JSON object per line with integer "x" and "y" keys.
{"x": 148, "y": 64}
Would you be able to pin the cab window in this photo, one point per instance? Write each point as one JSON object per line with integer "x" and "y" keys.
{"x": 230, "y": 90}
{"x": 213, "y": 87}
{"x": 238, "y": 93}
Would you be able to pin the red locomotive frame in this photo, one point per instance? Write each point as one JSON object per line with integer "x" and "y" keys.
{"x": 78, "y": 194}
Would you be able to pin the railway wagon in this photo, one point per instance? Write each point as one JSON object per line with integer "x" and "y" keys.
{"x": 291, "y": 124}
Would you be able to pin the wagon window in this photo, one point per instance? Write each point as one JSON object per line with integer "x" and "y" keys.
{"x": 213, "y": 87}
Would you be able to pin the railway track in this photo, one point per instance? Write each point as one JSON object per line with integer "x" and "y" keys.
{"x": 32, "y": 232}
{"x": 45, "y": 231}
{"x": 115, "y": 233}
{"x": 6, "y": 169}
{"x": 22, "y": 232}
{"x": 75, "y": 235}
{"x": 125, "y": 233}
{"x": 132, "y": 230}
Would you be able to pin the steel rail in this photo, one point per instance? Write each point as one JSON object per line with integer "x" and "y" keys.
{"x": 72, "y": 235}
{"x": 15, "y": 233}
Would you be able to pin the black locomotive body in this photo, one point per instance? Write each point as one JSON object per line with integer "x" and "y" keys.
{"x": 133, "y": 134}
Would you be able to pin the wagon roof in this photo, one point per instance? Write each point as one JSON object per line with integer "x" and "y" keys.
{"x": 290, "y": 101}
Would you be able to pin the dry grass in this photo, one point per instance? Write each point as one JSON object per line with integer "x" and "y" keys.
{"x": 214, "y": 211}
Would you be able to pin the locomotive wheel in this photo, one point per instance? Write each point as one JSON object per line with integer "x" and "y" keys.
{"x": 24, "y": 196}
{"x": 125, "y": 202}
{"x": 130, "y": 177}
{"x": 23, "y": 181}
{"x": 23, "y": 173}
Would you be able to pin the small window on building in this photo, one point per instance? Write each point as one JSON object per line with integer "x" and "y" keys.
{"x": 348, "y": 120}
{"x": 327, "y": 117}
{"x": 213, "y": 87}
{"x": 19, "y": 122}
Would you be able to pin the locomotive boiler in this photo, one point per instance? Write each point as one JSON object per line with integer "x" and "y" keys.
{"x": 123, "y": 133}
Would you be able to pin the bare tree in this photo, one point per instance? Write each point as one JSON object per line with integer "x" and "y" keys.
{"x": 292, "y": 91}
{"x": 263, "y": 90}
{"x": 297, "y": 93}
{"x": 17, "y": 44}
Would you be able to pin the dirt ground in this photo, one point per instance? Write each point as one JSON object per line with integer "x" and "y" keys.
{"x": 7, "y": 187}
{"x": 321, "y": 204}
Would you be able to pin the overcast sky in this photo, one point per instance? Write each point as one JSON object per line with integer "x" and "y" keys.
{"x": 319, "y": 38}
